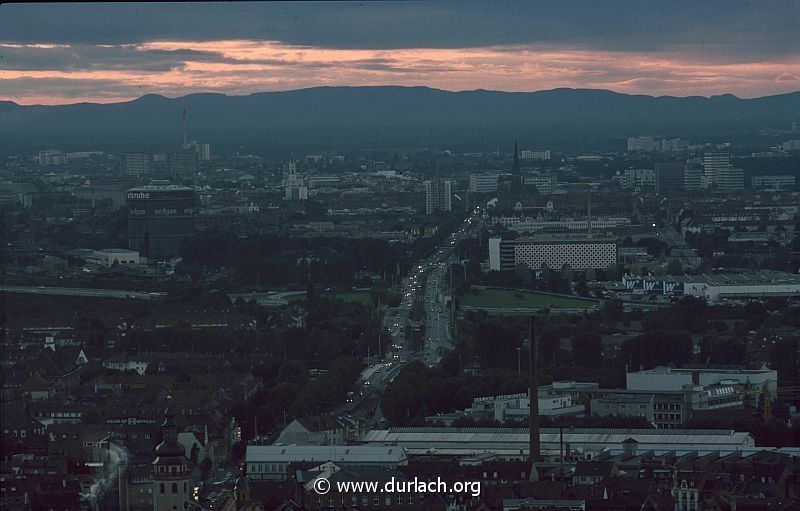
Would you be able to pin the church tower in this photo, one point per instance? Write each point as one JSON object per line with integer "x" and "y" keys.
{"x": 171, "y": 474}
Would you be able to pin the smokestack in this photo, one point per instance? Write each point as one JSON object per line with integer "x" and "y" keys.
{"x": 535, "y": 449}
{"x": 589, "y": 215}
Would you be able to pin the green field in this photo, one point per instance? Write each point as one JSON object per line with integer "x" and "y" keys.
{"x": 350, "y": 296}
{"x": 509, "y": 299}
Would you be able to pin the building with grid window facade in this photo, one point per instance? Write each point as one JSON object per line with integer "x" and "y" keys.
{"x": 579, "y": 251}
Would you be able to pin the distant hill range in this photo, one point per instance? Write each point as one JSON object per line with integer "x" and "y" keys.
{"x": 385, "y": 117}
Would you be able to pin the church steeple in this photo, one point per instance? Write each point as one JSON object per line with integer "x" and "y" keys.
{"x": 171, "y": 473}
{"x": 516, "y": 173}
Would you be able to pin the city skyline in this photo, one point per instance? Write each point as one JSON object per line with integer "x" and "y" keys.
{"x": 61, "y": 54}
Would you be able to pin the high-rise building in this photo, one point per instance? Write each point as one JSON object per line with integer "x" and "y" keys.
{"x": 171, "y": 472}
{"x": 544, "y": 183}
{"x": 182, "y": 163}
{"x": 715, "y": 163}
{"x": 483, "y": 183}
{"x": 630, "y": 178}
{"x": 294, "y": 187}
{"x": 535, "y": 154}
{"x": 438, "y": 195}
{"x": 52, "y": 157}
{"x": 730, "y": 179}
{"x": 579, "y": 251}
{"x": 643, "y": 144}
{"x": 160, "y": 217}
{"x": 674, "y": 144}
{"x": 136, "y": 164}
{"x": 202, "y": 149}
{"x": 669, "y": 176}
{"x": 773, "y": 182}
{"x": 693, "y": 177}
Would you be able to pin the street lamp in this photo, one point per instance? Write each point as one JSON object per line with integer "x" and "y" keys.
{"x": 519, "y": 360}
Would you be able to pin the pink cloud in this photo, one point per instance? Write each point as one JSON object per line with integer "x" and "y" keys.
{"x": 247, "y": 66}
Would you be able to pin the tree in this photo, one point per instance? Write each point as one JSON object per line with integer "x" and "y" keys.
{"x": 587, "y": 349}
{"x": 674, "y": 267}
{"x": 591, "y": 275}
{"x": 293, "y": 371}
{"x": 613, "y": 310}
{"x": 580, "y": 286}
{"x": 567, "y": 273}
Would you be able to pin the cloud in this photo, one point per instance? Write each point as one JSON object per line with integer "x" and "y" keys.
{"x": 787, "y": 77}
{"x": 121, "y": 51}
{"x": 732, "y": 27}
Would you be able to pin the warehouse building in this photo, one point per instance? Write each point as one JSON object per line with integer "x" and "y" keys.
{"x": 716, "y": 287}
{"x": 513, "y": 443}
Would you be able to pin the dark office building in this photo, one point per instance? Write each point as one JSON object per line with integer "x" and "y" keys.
{"x": 669, "y": 176}
{"x": 182, "y": 163}
{"x": 136, "y": 164}
{"x": 159, "y": 218}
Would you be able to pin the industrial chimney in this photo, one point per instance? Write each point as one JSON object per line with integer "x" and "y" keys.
{"x": 535, "y": 448}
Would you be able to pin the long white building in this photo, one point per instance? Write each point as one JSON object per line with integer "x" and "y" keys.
{"x": 533, "y": 224}
{"x": 272, "y": 461}
{"x": 554, "y": 250}
{"x": 714, "y": 288}
{"x": 669, "y": 379}
{"x": 513, "y": 443}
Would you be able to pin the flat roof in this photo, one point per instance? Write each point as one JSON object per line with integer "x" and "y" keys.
{"x": 729, "y": 279}
{"x": 688, "y": 370}
{"x": 564, "y": 238}
{"x": 504, "y": 438}
{"x": 160, "y": 188}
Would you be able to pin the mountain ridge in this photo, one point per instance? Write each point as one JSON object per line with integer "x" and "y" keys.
{"x": 388, "y": 116}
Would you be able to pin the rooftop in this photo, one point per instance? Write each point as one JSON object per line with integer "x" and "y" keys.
{"x": 318, "y": 453}
{"x": 564, "y": 238}
{"x": 729, "y": 279}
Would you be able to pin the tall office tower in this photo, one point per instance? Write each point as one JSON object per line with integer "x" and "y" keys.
{"x": 516, "y": 174}
{"x": 183, "y": 162}
{"x": 714, "y": 164}
{"x": 643, "y": 144}
{"x": 731, "y": 179}
{"x": 202, "y": 149}
{"x": 52, "y": 157}
{"x": 160, "y": 217}
{"x": 669, "y": 176}
{"x": 693, "y": 177}
{"x": 438, "y": 195}
{"x": 171, "y": 473}
{"x": 136, "y": 164}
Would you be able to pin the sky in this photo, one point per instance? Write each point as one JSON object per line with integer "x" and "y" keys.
{"x": 102, "y": 53}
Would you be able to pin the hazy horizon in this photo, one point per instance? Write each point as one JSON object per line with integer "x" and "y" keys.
{"x": 203, "y": 92}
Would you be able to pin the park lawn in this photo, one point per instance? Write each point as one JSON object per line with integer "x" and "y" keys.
{"x": 503, "y": 298}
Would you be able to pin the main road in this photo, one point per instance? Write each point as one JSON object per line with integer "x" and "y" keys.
{"x": 79, "y": 291}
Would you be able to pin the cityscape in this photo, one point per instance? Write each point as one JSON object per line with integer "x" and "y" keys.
{"x": 446, "y": 256}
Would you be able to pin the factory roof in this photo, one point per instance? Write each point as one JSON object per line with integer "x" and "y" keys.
{"x": 364, "y": 454}
{"x": 729, "y": 279}
{"x": 506, "y": 438}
